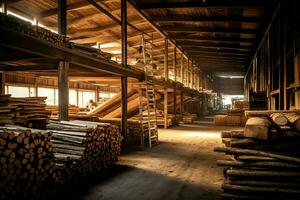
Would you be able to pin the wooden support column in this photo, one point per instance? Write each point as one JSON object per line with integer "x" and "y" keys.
{"x": 165, "y": 108}
{"x": 2, "y": 75}
{"x": 192, "y": 75}
{"x": 181, "y": 69}
{"x": 181, "y": 103}
{"x": 63, "y": 67}
{"x": 3, "y": 6}
{"x": 2, "y": 81}
{"x": 175, "y": 102}
{"x": 174, "y": 64}
{"x": 166, "y": 63}
{"x": 187, "y": 73}
{"x": 124, "y": 79}
{"x": 97, "y": 94}
{"x": 63, "y": 91}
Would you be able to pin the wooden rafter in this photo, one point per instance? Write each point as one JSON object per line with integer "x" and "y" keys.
{"x": 213, "y": 19}
{"x": 203, "y": 4}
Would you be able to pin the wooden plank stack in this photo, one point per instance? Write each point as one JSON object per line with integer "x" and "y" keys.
{"x": 27, "y": 111}
{"x": 24, "y": 27}
{"x": 25, "y": 162}
{"x": 188, "y": 118}
{"x": 263, "y": 161}
{"x": 82, "y": 148}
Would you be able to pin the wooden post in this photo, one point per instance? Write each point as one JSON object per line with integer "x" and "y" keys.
{"x": 124, "y": 79}
{"x": 62, "y": 16}
{"x": 63, "y": 90}
{"x": 192, "y": 75}
{"x": 187, "y": 73}
{"x": 181, "y": 69}
{"x": 175, "y": 102}
{"x": 63, "y": 67}
{"x": 174, "y": 64}
{"x": 166, "y": 64}
{"x": 3, "y": 6}
{"x": 181, "y": 103}
{"x": 282, "y": 65}
{"x": 97, "y": 94}
{"x": 2, "y": 79}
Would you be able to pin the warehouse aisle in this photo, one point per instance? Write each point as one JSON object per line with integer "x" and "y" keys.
{"x": 181, "y": 167}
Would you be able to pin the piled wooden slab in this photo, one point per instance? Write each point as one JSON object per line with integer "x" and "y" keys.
{"x": 263, "y": 161}
{"x": 25, "y": 162}
{"x": 82, "y": 148}
{"x": 24, "y": 27}
{"x": 27, "y": 111}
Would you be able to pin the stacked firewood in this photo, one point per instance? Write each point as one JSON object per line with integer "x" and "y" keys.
{"x": 26, "y": 162}
{"x": 27, "y": 111}
{"x": 82, "y": 148}
{"x": 134, "y": 129}
{"x": 24, "y": 27}
{"x": 264, "y": 159}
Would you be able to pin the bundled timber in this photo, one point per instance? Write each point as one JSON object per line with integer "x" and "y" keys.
{"x": 24, "y": 27}
{"x": 261, "y": 167}
{"x": 26, "y": 162}
{"x": 26, "y": 111}
{"x": 83, "y": 148}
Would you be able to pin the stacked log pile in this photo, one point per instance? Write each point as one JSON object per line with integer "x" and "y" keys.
{"x": 134, "y": 129}
{"x": 263, "y": 161}
{"x": 24, "y": 27}
{"x": 27, "y": 111}
{"x": 83, "y": 148}
{"x": 26, "y": 161}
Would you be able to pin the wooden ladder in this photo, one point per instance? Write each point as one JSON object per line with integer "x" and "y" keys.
{"x": 148, "y": 115}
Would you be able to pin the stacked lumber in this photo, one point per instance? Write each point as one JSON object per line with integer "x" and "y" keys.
{"x": 26, "y": 162}
{"x": 26, "y": 111}
{"x": 82, "y": 148}
{"x": 188, "y": 118}
{"x": 227, "y": 120}
{"x": 263, "y": 161}
{"x": 161, "y": 121}
{"x": 73, "y": 111}
{"x": 241, "y": 105}
{"x": 24, "y": 27}
{"x": 134, "y": 129}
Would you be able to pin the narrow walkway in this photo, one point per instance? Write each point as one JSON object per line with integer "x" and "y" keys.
{"x": 182, "y": 167}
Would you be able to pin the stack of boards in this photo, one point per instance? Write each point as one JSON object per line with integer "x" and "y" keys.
{"x": 263, "y": 161}
{"x": 27, "y": 111}
{"x": 36, "y": 162}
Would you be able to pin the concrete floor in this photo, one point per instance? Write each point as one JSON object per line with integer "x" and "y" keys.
{"x": 181, "y": 167}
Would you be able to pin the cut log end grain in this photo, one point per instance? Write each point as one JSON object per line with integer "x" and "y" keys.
{"x": 258, "y": 128}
